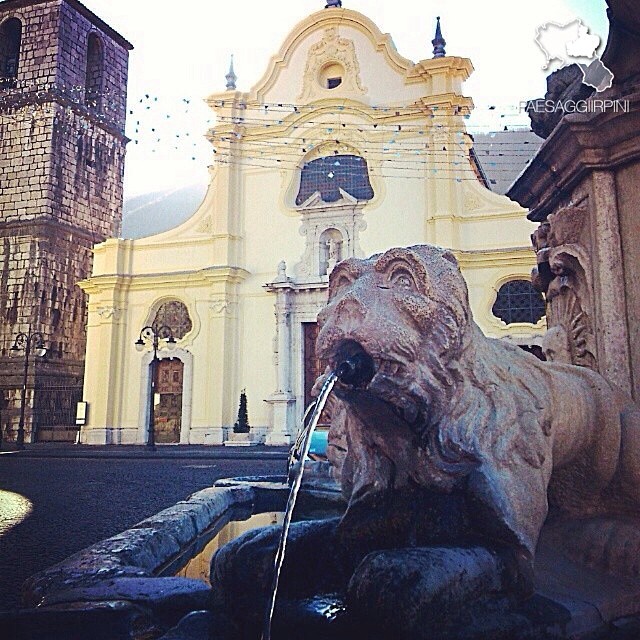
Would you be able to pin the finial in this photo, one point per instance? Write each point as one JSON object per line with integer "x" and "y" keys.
{"x": 231, "y": 77}
{"x": 333, "y": 3}
{"x": 438, "y": 42}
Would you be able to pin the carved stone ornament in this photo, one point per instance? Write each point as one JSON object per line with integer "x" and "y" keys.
{"x": 570, "y": 338}
{"x": 108, "y": 313}
{"x": 471, "y": 202}
{"x": 332, "y": 49}
{"x": 206, "y": 225}
{"x": 563, "y": 275}
{"x": 222, "y": 307}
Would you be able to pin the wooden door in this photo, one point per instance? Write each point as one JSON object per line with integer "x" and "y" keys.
{"x": 313, "y": 366}
{"x": 168, "y": 412}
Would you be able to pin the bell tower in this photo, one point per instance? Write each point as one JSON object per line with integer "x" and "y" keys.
{"x": 63, "y": 83}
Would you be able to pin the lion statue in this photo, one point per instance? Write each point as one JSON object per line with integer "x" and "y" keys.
{"x": 452, "y": 453}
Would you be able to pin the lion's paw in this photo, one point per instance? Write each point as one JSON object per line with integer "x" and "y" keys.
{"x": 417, "y": 587}
{"x": 607, "y": 544}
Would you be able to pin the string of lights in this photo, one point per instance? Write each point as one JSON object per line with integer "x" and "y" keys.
{"x": 158, "y": 125}
{"x": 420, "y": 174}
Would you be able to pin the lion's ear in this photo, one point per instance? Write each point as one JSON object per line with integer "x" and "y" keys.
{"x": 447, "y": 255}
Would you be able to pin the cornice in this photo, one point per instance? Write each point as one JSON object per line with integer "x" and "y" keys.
{"x": 426, "y": 69}
{"x": 159, "y": 281}
{"x": 513, "y": 257}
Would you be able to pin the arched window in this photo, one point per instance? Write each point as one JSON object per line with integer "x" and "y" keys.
{"x": 175, "y": 315}
{"x": 93, "y": 80}
{"x": 519, "y": 301}
{"x": 330, "y": 174}
{"x": 10, "y": 37}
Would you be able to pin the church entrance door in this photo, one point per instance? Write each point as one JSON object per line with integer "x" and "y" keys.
{"x": 168, "y": 411}
{"x": 313, "y": 366}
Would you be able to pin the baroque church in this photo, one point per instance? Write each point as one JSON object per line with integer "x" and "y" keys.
{"x": 343, "y": 148}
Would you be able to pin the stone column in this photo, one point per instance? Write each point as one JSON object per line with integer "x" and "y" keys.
{"x": 282, "y": 400}
{"x": 611, "y": 326}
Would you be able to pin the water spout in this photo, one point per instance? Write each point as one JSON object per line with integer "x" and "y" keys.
{"x": 357, "y": 369}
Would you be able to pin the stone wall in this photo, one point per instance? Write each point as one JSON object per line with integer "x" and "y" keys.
{"x": 62, "y": 153}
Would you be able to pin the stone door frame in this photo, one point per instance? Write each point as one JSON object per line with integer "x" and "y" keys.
{"x": 145, "y": 392}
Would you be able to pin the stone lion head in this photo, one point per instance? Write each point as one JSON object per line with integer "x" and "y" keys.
{"x": 409, "y": 310}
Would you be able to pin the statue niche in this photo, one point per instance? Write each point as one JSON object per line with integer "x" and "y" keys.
{"x": 330, "y": 250}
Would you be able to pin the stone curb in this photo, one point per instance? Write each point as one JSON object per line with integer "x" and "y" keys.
{"x": 138, "y": 553}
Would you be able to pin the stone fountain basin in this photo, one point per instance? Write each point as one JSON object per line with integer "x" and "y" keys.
{"x": 126, "y": 586}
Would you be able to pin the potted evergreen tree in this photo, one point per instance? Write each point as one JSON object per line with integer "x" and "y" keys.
{"x": 242, "y": 423}
{"x": 241, "y": 429}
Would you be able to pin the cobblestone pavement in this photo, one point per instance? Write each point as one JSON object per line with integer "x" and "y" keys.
{"x": 76, "y": 502}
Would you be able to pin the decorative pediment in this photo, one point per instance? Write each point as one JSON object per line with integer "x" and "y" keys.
{"x": 331, "y": 64}
{"x": 315, "y": 201}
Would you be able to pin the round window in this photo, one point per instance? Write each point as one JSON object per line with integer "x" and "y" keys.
{"x": 331, "y": 75}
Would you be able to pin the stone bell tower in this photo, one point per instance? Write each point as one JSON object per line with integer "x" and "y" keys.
{"x": 63, "y": 81}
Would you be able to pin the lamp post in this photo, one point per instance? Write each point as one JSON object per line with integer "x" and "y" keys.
{"x": 29, "y": 343}
{"x": 153, "y": 335}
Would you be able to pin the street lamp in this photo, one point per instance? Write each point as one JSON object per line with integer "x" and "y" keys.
{"x": 154, "y": 335}
{"x": 29, "y": 343}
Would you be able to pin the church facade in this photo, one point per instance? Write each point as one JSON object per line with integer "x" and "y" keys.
{"x": 343, "y": 148}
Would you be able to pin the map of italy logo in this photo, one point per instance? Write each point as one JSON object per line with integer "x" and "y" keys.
{"x": 565, "y": 44}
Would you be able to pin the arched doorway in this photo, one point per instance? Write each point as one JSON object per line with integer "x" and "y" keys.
{"x": 168, "y": 408}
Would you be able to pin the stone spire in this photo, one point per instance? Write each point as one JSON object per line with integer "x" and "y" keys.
{"x": 231, "y": 77}
{"x": 333, "y": 3}
{"x": 438, "y": 42}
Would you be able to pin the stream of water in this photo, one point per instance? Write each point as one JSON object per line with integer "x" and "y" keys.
{"x": 300, "y": 451}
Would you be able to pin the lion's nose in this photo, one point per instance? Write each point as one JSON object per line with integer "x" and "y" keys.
{"x": 350, "y": 310}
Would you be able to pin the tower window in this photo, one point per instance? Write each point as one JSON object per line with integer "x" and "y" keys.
{"x": 519, "y": 301}
{"x": 93, "y": 80}
{"x": 330, "y": 174}
{"x": 10, "y": 38}
{"x": 332, "y": 83}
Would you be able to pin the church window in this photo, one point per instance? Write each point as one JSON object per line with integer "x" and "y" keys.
{"x": 331, "y": 75}
{"x": 175, "y": 315}
{"x": 330, "y": 174}
{"x": 519, "y": 301}
{"x": 10, "y": 38}
{"x": 93, "y": 80}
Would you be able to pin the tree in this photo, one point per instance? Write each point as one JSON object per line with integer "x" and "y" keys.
{"x": 242, "y": 424}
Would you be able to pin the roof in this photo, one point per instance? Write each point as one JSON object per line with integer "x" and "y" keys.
{"x": 81, "y": 9}
{"x": 503, "y": 155}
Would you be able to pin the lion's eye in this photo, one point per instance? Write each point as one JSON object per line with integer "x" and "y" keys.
{"x": 402, "y": 280}
{"x": 339, "y": 285}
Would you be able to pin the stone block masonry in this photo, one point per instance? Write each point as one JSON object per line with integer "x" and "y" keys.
{"x": 62, "y": 148}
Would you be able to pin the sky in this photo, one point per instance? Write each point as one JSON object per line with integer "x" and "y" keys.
{"x": 182, "y": 52}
